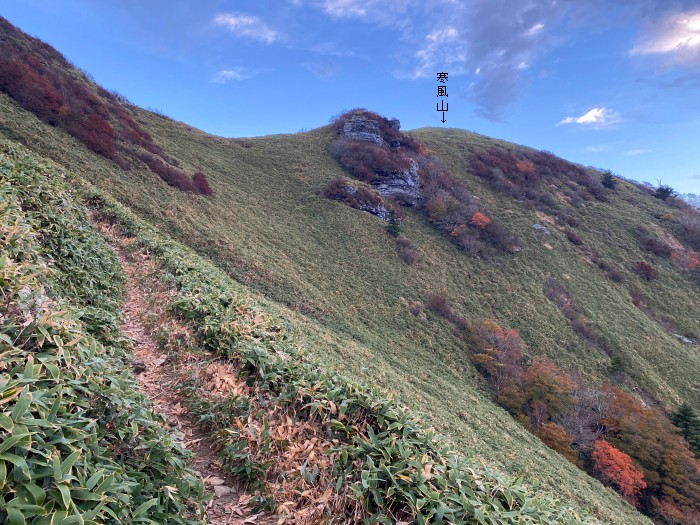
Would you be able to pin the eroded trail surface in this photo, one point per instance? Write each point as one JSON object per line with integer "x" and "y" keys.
{"x": 158, "y": 376}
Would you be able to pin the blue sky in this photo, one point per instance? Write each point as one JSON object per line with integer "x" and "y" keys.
{"x": 608, "y": 83}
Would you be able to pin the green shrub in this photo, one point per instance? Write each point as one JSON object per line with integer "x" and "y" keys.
{"x": 608, "y": 180}
{"x": 77, "y": 442}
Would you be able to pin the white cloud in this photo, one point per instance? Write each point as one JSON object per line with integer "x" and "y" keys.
{"x": 534, "y": 29}
{"x": 635, "y": 152}
{"x": 226, "y": 75}
{"x": 375, "y": 10}
{"x": 346, "y": 8}
{"x": 677, "y": 36}
{"x": 442, "y": 48}
{"x": 596, "y": 117}
{"x": 247, "y": 26}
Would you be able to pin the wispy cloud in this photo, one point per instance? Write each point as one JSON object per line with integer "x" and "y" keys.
{"x": 677, "y": 36}
{"x": 375, "y": 10}
{"x": 596, "y": 117}
{"x": 442, "y": 48}
{"x": 635, "y": 152}
{"x": 226, "y": 75}
{"x": 499, "y": 39}
{"x": 346, "y": 8}
{"x": 247, "y": 26}
{"x": 505, "y": 40}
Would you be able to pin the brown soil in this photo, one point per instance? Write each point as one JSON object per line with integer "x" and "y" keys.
{"x": 158, "y": 376}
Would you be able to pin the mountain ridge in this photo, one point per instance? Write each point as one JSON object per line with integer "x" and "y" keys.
{"x": 339, "y": 278}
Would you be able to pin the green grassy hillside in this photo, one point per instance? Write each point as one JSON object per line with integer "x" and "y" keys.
{"x": 334, "y": 274}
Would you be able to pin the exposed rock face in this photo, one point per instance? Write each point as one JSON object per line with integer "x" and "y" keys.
{"x": 404, "y": 185}
{"x": 361, "y": 128}
{"x": 377, "y": 209}
{"x": 683, "y": 339}
{"x": 541, "y": 228}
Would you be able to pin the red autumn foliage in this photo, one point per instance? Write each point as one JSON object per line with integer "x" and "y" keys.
{"x": 201, "y": 184}
{"x": 670, "y": 469}
{"x": 368, "y": 161}
{"x": 97, "y": 135}
{"x": 42, "y": 81}
{"x": 438, "y": 304}
{"x": 520, "y": 176}
{"x": 525, "y": 166}
{"x": 633, "y": 448}
{"x": 173, "y": 176}
{"x": 389, "y": 129}
{"x": 480, "y": 220}
{"x": 457, "y": 230}
{"x": 685, "y": 259}
{"x": 615, "y": 468}
{"x": 655, "y": 246}
{"x": 356, "y": 195}
{"x": 446, "y": 199}
{"x": 646, "y": 271}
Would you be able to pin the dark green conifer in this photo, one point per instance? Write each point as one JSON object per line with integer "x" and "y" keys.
{"x": 688, "y": 424}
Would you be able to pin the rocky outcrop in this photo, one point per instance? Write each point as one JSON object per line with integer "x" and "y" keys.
{"x": 358, "y": 195}
{"x": 683, "y": 339}
{"x": 359, "y": 127}
{"x": 375, "y": 208}
{"x": 540, "y": 228}
{"x": 403, "y": 185}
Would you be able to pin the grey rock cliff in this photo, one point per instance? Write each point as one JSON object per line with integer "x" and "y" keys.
{"x": 375, "y": 209}
{"x": 361, "y": 128}
{"x": 404, "y": 185}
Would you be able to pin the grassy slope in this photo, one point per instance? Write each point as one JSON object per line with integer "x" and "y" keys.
{"x": 269, "y": 228}
{"x": 73, "y": 441}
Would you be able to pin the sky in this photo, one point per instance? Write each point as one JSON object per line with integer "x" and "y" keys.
{"x": 613, "y": 84}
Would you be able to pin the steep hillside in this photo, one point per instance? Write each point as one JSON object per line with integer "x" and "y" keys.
{"x": 79, "y": 443}
{"x": 357, "y": 307}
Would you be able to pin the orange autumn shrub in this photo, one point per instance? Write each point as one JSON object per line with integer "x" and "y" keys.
{"x": 480, "y": 220}
{"x": 615, "y": 468}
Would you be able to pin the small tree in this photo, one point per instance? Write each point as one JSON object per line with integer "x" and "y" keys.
{"x": 664, "y": 191}
{"x": 688, "y": 424}
{"x": 394, "y": 224}
{"x": 556, "y": 438}
{"x": 615, "y": 468}
{"x": 608, "y": 180}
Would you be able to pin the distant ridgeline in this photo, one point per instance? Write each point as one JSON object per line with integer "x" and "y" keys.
{"x": 42, "y": 81}
{"x": 393, "y": 170}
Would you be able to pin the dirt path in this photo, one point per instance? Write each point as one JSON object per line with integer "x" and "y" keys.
{"x": 158, "y": 376}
